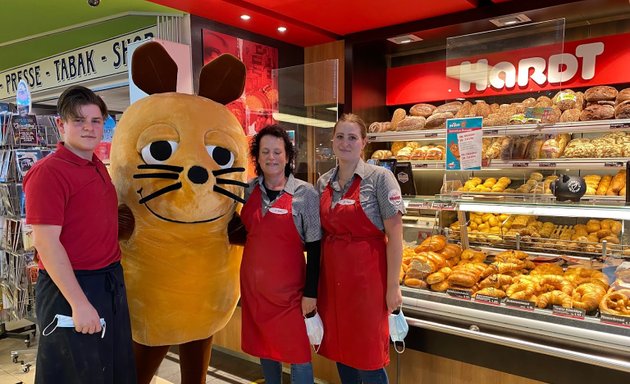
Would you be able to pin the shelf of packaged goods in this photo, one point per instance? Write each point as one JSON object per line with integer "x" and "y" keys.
{"x": 561, "y": 163}
{"x": 545, "y": 198}
{"x": 423, "y": 135}
{"x": 611, "y": 210}
{"x": 418, "y": 165}
{"x": 428, "y": 203}
{"x": 553, "y": 129}
{"x": 588, "y": 340}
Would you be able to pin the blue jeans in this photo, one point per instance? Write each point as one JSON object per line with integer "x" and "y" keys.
{"x": 351, "y": 375}
{"x": 300, "y": 373}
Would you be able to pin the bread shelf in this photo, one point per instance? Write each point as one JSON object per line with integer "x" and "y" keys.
{"x": 560, "y": 163}
{"x": 616, "y": 211}
{"x": 422, "y": 135}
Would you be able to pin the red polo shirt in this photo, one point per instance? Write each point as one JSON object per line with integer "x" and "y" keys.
{"x": 78, "y": 195}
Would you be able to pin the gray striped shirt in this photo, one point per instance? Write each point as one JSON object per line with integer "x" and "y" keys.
{"x": 305, "y": 205}
{"x": 379, "y": 191}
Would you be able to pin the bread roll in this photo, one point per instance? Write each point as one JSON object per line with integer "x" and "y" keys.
{"x": 535, "y": 146}
{"x": 603, "y": 185}
{"x": 382, "y": 154}
{"x": 422, "y": 109}
{"x": 397, "y": 146}
{"x": 481, "y": 108}
{"x": 543, "y": 101}
{"x": 570, "y": 115}
{"x": 600, "y": 93}
{"x": 399, "y": 115}
{"x": 565, "y": 100}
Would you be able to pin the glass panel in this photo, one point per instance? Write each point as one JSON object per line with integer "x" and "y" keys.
{"x": 307, "y": 105}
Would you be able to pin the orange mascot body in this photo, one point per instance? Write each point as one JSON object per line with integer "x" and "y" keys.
{"x": 178, "y": 163}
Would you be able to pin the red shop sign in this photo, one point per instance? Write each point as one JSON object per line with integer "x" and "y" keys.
{"x": 584, "y": 63}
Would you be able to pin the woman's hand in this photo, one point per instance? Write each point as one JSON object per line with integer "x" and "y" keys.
{"x": 393, "y": 298}
{"x": 309, "y": 304}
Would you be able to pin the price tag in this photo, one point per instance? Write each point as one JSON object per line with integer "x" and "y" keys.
{"x": 615, "y": 164}
{"x": 431, "y": 134}
{"x": 491, "y": 132}
{"x": 573, "y": 313}
{"x": 458, "y": 293}
{"x": 620, "y": 126}
{"x": 547, "y": 165}
{"x": 520, "y": 164}
{"x": 421, "y": 165}
{"x": 484, "y": 299}
{"x": 623, "y": 321}
{"x": 520, "y": 304}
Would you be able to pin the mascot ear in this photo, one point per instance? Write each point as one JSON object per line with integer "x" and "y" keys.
{"x": 223, "y": 79}
{"x": 153, "y": 70}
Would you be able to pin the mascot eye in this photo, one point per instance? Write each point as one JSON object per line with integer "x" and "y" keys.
{"x": 221, "y": 156}
{"x": 158, "y": 152}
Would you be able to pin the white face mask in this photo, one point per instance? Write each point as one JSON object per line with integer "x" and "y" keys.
{"x": 63, "y": 321}
{"x": 314, "y": 330}
{"x": 398, "y": 329}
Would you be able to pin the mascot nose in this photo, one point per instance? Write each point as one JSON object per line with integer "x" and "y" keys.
{"x": 198, "y": 175}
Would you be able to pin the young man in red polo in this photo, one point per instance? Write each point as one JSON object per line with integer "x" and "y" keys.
{"x": 81, "y": 303}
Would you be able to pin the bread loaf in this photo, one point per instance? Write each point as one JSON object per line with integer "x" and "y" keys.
{"x": 598, "y": 112}
{"x": 565, "y": 100}
{"x": 399, "y": 115}
{"x": 600, "y": 93}
{"x": 411, "y": 123}
{"x": 543, "y": 101}
{"x": 438, "y": 120}
{"x": 465, "y": 110}
{"x": 623, "y": 95}
{"x": 422, "y": 109}
{"x": 453, "y": 107}
{"x": 622, "y": 110}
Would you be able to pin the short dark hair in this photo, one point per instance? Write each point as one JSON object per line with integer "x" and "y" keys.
{"x": 275, "y": 131}
{"x": 75, "y": 97}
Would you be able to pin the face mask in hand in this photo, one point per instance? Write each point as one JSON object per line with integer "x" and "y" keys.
{"x": 398, "y": 329}
{"x": 62, "y": 321}
{"x": 314, "y": 330}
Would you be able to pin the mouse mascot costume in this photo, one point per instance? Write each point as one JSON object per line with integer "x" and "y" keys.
{"x": 178, "y": 164}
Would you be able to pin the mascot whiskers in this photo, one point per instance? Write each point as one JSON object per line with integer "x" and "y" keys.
{"x": 178, "y": 163}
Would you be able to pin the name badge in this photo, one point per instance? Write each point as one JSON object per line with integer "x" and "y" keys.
{"x": 346, "y": 202}
{"x": 278, "y": 211}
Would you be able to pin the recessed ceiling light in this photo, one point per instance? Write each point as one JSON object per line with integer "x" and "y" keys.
{"x": 508, "y": 20}
{"x": 404, "y": 39}
{"x": 282, "y": 29}
{"x": 245, "y": 17}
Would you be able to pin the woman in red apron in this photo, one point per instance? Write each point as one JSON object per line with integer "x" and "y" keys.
{"x": 278, "y": 286}
{"x": 361, "y": 214}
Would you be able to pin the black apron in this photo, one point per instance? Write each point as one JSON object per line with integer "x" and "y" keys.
{"x": 69, "y": 357}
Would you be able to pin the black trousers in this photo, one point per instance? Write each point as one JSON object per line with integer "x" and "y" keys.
{"x": 69, "y": 357}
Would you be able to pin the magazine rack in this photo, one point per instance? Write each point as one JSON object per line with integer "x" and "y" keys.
{"x": 23, "y": 141}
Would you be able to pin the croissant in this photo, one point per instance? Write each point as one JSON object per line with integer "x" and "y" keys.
{"x": 451, "y": 250}
{"x": 496, "y": 281}
{"x": 474, "y": 256}
{"x": 512, "y": 254}
{"x": 521, "y": 290}
{"x": 557, "y": 283}
{"x": 506, "y": 267}
{"x": 588, "y": 296}
{"x": 554, "y": 298}
{"x": 463, "y": 277}
{"x": 490, "y": 291}
{"x": 547, "y": 269}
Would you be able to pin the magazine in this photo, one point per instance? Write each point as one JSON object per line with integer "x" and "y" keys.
{"x": 25, "y": 159}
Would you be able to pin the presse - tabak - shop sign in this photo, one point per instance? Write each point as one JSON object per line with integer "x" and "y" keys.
{"x": 578, "y": 64}
{"x": 89, "y": 63}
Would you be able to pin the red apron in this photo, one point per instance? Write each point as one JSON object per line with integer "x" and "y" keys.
{"x": 353, "y": 284}
{"x": 273, "y": 273}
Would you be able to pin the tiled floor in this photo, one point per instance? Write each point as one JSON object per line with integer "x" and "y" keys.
{"x": 224, "y": 368}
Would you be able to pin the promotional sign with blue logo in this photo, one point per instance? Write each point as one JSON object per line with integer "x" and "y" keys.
{"x": 464, "y": 143}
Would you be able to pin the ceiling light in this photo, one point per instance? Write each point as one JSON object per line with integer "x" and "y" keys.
{"x": 282, "y": 29}
{"x": 509, "y": 20}
{"x": 245, "y": 17}
{"x": 404, "y": 39}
